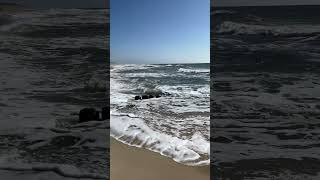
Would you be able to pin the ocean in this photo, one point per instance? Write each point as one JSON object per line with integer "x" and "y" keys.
{"x": 53, "y": 63}
{"x": 265, "y": 92}
{"x": 177, "y": 124}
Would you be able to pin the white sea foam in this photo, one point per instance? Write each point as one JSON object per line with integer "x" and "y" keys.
{"x": 32, "y": 95}
{"x": 121, "y": 67}
{"x": 86, "y": 135}
{"x": 185, "y": 70}
{"x": 147, "y": 75}
{"x": 172, "y": 135}
{"x": 129, "y": 128}
{"x": 241, "y": 28}
{"x": 222, "y": 12}
{"x": 187, "y": 91}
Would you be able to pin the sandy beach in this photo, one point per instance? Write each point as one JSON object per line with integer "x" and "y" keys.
{"x": 140, "y": 164}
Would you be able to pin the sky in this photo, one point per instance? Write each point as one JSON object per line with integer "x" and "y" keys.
{"x": 60, "y": 3}
{"x": 263, "y": 2}
{"x": 160, "y": 31}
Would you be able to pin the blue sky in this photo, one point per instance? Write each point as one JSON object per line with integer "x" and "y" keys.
{"x": 160, "y": 31}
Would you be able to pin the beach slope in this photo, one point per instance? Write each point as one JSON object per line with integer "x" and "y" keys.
{"x": 133, "y": 163}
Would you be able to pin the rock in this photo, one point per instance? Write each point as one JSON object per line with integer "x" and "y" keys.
{"x": 149, "y": 96}
{"x": 166, "y": 94}
{"x": 105, "y": 113}
{"x": 88, "y": 114}
{"x": 137, "y": 98}
{"x": 145, "y": 97}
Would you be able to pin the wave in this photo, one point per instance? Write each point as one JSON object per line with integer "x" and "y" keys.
{"x": 215, "y": 12}
{"x": 95, "y": 84}
{"x": 125, "y": 67}
{"x": 144, "y": 74}
{"x": 65, "y": 170}
{"x": 137, "y": 123}
{"x": 235, "y": 28}
{"x": 9, "y": 22}
{"x": 41, "y": 144}
{"x": 5, "y": 19}
{"x": 193, "y": 70}
{"x": 186, "y": 91}
{"x": 132, "y": 130}
{"x": 56, "y": 23}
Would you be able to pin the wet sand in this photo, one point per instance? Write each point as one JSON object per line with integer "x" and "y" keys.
{"x": 133, "y": 163}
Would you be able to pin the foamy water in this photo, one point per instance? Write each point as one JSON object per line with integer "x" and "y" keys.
{"x": 265, "y": 90}
{"x": 52, "y": 64}
{"x": 176, "y": 125}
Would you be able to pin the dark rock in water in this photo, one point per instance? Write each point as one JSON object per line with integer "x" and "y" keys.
{"x": 88, "y": 114}
{"x": 145, "y": 97}
{"x": 166, "y": 94}
{"x": 137, "y": 98}
{"x": 105, "y": 113}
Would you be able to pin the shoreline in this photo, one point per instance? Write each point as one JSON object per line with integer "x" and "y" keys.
{"x": 128, "y": 162}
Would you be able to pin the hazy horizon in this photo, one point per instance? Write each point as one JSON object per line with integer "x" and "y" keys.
{"x": 158, "y": 63}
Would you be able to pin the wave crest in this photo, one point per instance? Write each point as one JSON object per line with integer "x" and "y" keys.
{"x": 193, "y": 70}
{"x": 131, "y": 130}
{"x": 235, "y": 28}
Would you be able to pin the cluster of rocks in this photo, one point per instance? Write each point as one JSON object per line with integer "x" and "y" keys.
{"x": 149, "y": 96}
{"x": 91, "y": 114}
{"x": 146, "y": 97}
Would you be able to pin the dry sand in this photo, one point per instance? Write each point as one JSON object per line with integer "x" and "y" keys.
{"x": 131, "y": 163}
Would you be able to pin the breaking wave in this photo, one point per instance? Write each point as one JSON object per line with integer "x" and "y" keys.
{"x": 235, "y": 28}
{"x": 133, "y": 131}
{"x": 193, "y": 70}
{"x": 165, "y": 125}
